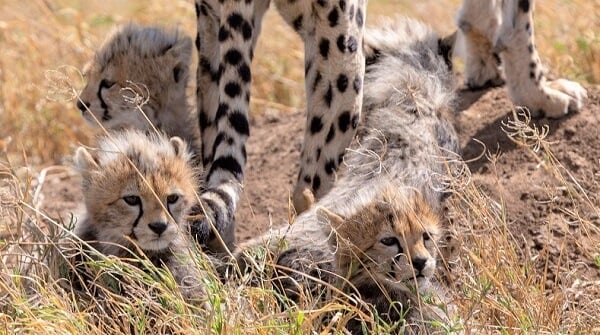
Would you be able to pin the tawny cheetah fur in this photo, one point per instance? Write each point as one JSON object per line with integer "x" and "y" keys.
{"x": 138, "y": 79}
{"x": 381, "y": 214}
{"x": 501, "y": 31}
{"x": 137, "y": 191}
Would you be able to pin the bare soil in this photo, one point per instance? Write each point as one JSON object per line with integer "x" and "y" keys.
{"x": 538, "y": 208}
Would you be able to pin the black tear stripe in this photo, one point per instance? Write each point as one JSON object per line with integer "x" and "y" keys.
{"x": 104, "y": 84}
{"x": 137, "y": 221}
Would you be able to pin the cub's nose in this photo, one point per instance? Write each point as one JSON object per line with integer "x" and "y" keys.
{"x": 158, "y": 227}
{"x": 419, "y": 264}
{"x": 83, "y": 106}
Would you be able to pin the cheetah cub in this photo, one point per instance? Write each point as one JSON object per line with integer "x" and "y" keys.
{"x": 385, "y": 253}
{"x": 376, "y": 229}
{"x": 140, "y": 69}
{"x": 137, "y": 190}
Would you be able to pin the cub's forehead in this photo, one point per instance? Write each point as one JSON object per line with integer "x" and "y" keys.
{"x": 148, "y": 152}
{"x": 132, "y": 39}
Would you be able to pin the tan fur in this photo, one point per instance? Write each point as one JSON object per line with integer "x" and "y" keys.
{"x": 390, "y": 186}
{"x": 132, "y": 183}
{"x": 359, "y": 237}
{"x": 141, "y": 67}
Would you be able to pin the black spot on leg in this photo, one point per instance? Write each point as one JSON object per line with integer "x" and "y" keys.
{"x": 333, "y": 17}
{"x": 235, "y": 21}
{"x": 233, "y": 57}
{"x": 352, "y": 44}
{"x": 221, "y": 111}
{"x": 341, "y": 158}
{"x": 344, "y": 121}
{"x": 233, "y": 89}
{"x": 330, "y": 134}
{"x": 197, "y": 42}
{"x": 227, "y": 163}
{"x": 342, "y": 83}
{"x": 307, "y": 179}
{"x": 359, "y": 18}
{"x": 354, "y": 121}
{"x": 341, "y": 43}
{"x": 318, "y": 155}
{"x": 316, "y": 125}
{"x": 197, "y": 7}
{"x": 524, "y": 5}
{"x": 531, "y": 75}
{"x": 351, "y": 13}
{"x": 239, "y": 122}
{"x": 324, "y": 47}
{"x": 330, "y": 166}
{"x": 328, "y": 96}
{"x": 530, "y": 47}
{"x": 245, "y": 73}
{"x": 342, "y": 5}
{"x": 224, "y": 34}
{"x": 357, "y": 84}
{"x": 316, "y": 183}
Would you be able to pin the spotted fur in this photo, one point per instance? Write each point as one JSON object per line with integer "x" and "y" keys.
{"x": 381, "y": 214}
{"x": 334, "y": 61}
{"x": 137, "y": 191}
{"x": 501, "y": 32}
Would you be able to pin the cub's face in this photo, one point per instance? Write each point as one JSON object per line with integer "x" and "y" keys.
{"x": 391, "y": 241}
{"x": 138, "y": 190}
{"x": 137, "y": 68}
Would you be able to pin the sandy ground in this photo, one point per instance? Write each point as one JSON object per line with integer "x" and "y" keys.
{"x": 536, "y": 205}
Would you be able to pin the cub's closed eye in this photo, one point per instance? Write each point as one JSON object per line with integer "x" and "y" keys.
{"x": 389, "y": 241}
{"x": 426, "y": 237}
{"x": 132, "y": 200}
{"x": 172, "y": 198}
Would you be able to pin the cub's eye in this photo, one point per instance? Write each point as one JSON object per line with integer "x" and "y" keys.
{"x": 172, "y": 198}
{"x": 389, "y": 241}
{"x": 132, "y": 200}
{"x": 426, "y": 237}
{"x": 105, "y": 83}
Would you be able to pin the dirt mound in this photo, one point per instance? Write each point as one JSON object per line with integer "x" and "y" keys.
{"x": 537, "y": 205}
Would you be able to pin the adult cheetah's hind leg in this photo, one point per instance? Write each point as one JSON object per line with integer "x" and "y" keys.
{"x": 477, "y": 23}
{"x": 334, "y": 69}
{"x": 526, "y": 81}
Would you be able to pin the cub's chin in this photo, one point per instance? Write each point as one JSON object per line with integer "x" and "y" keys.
{"x": 156, "y": 245}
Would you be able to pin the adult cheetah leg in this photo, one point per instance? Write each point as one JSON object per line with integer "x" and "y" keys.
{"x": 527, "y": 84}
{"x": 335, "y": 64}
{"x": 227, "y": 34}
{"x": 477, "y": 22}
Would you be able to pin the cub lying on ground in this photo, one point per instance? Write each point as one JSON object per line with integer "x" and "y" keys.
{"x": 374, "y": 234}
{"x": 137, "y": 190}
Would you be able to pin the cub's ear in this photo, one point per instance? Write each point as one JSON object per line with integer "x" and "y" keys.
{"x": 85, "y": 161}
{"x": 179, "y": 146}
{"x": 334, "y": 219}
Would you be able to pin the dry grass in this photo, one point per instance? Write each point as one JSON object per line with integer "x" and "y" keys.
{"x": 497, "y": 288}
